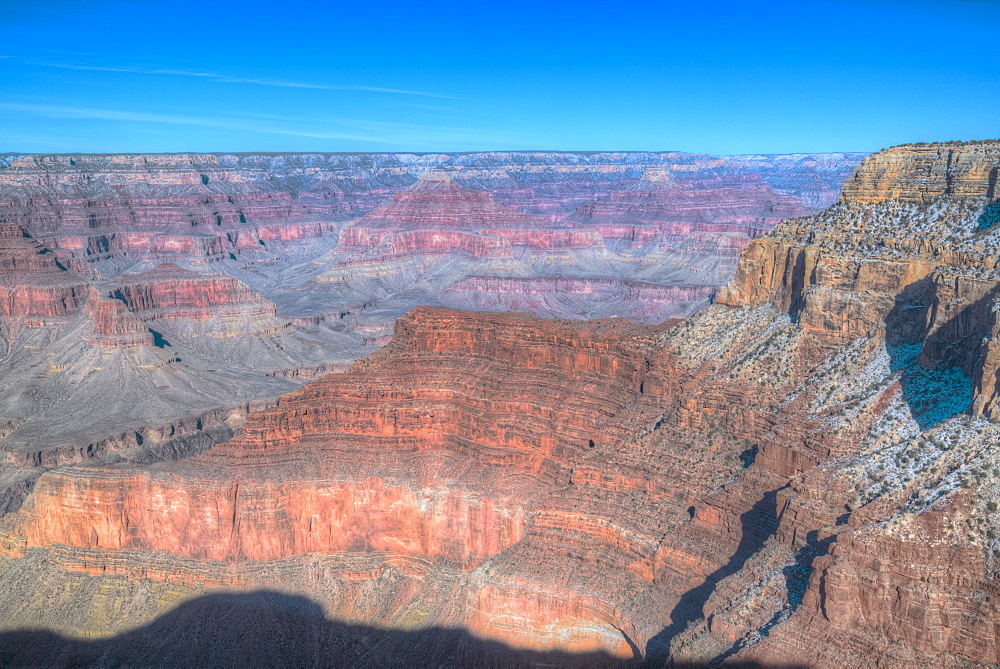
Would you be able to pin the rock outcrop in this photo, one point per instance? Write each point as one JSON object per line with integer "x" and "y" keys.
{"x": 169, "y": 291}
{"x": 689, "y": 490}
{"x": 412, "y": 456}
{"x": 34, "y": 286}
{"x": 921, "y": 173}
{"x": 114, "y": 325}
{"x": 889, "y": 524}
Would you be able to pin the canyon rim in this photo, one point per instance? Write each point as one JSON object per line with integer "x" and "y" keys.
{"x": 525, "y": 334}
{"x": 500, "y": 409}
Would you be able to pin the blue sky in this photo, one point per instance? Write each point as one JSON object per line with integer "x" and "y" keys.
{"x": 716, "y": 77}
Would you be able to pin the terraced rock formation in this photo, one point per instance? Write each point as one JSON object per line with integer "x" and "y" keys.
{"x": 255, "y": 273}
{"x": 677, "y": 491}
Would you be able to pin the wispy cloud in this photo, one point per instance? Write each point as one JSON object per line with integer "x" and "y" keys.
{"x": 228, "y": 79}
{"x": 437, "y": 108}
{"x": 343, "y": 129}
{"x": 99, "y": 114}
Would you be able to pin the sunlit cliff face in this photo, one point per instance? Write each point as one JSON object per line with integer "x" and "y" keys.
{"x": 183, "y": 284}
{"x": 805, "y": 472}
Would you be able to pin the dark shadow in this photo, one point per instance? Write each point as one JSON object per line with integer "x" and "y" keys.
{"x": 47, "y": 252}
{"x": 796, "y": 581}
{"x": 748, "y": 456}
{"x": 757, "y": 524}
{"x": 158, "y": 339}
{"x": 270, "y": 629}
{"x": 990, "y": 215}
{"x": 798, "y": 287}
{"x": 935, "y": 369}
{"x": 13, "y": 494}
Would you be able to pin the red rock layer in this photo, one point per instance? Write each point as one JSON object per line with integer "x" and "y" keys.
{"x": 742, "y": 204}
{"x": 33, "y": 284}
{"x": 165, "y": 205}
{"x": 250, "y": 519}
{"x": 921, "y": 172}
{"x": 540, "y": 482}
{"x": 437, "y": 213}
{"x": 168, "y": 291}
{"x": 446, "y": 447}
{"x": 114, "y": 325}
{"x": 442, "y": 204}
{"x": 95, "y": 207}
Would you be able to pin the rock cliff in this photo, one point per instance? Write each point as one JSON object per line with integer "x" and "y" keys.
{"x": 470, "y": 439}
{"x": 34, "y": 285}
{"x": 113, "y": 324}
{"x": 332, "y": 248}
{"x": 889, "y": 513}
{"x": 691, "y": 490}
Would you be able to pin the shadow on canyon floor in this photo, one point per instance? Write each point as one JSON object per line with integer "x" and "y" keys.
{"x": 271, "y": 629}
{"x": 757, "y": 525}
{"x": 939, "y": 388}
{"x": 796, "y": 581}
{"x": 991, "y": 212}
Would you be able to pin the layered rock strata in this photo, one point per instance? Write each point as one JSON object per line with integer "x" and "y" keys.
{"x": 34, "y": 286}
{"x": 888, "y": 520}
{"x": 294, "y": 250}
{"x": 206, "y": 204}
{"x": 169, "y": 291}
{"x": 411, "y": 457}
{"x": 671, "y": 491}
{"x": 657, "y": 302}
{"x": 676, "y": 209}
{"x": 114, "y": 325}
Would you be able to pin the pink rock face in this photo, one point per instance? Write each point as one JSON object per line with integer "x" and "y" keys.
{"x": 114, "y": 325}
{"x": 546, "y": 483}
{"x": 250, "y": 519}
{"x": 174, "y": 224}
{"x": 169, "y": 291}
{"x": 33, "y": 284}
{"x": 438, "y": 216}
{"x": 41, "y": 302}
{"x": 745, "y": 204}
{"x": 441, "y": 204}
{"x": 447, "y": 451}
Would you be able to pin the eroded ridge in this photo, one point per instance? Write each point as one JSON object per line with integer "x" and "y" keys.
{"x": 803, "y": 473}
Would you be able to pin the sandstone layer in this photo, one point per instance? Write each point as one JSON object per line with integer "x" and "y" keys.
{"x": 139, "y": 274}
{"x": 687, "y": 491}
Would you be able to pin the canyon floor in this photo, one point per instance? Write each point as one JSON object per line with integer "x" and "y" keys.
{"x": 501, "y": 409}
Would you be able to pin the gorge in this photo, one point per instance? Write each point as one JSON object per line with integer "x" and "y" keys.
{"x": 733, "y": 414}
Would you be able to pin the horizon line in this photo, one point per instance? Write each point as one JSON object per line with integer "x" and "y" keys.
{"x": 460, "y": 153}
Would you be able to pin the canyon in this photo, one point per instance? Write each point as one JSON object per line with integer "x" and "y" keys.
{"x": 180, "y": 285}
{"x": 744, "y": 420}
